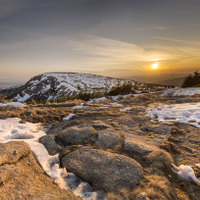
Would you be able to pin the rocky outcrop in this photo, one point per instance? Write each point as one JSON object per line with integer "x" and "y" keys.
{"x": 139, "y": 145}
{"x": 103, "y": 170}
{"x": 75, "y": 135}
{"x": 22, "y": 178}
{"x": 107, "y": 139}
{"x": 49, "y": 142}
{"x": 99, "y": 125}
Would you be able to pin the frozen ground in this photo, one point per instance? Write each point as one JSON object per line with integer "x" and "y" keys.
{"x": 68, "y": 117}
{"x": 183, "y": 113}
{"x": 11, "y": 129}
{"x": 16, "y": 104}
{"x": 115, "y": 98}
{"x": 181, "y": 91}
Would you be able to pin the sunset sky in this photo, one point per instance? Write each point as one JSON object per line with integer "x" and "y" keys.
{"x": 117, "y": 38}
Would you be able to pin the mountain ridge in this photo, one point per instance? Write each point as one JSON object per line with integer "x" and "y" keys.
{"x": 53, "y": 85}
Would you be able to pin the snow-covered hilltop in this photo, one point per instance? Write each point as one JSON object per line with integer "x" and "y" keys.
{"x": 55, "y": 85}
{"x": 49, "y": 86}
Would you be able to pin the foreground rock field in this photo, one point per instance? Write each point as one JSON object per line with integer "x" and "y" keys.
{"x": 113, "y": 146}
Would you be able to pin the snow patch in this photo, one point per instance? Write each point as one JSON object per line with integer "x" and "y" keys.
{"x": 125, "y": 109}
{"x": 15, "y": 104}
{"x": 181, "y": 91}
{"x": 68, "y": 117}
{"x": 186, "y": 173}
{"x": 183, "y": 113}
{"x": 79, "y": 107}
{"x": 97, "y": 99}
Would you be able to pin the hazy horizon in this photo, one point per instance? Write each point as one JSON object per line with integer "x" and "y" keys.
{"x": 4, "y": 83}
{"x": 112, "y": 38}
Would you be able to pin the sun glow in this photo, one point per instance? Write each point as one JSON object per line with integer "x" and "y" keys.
{"x": 154, "y": 66}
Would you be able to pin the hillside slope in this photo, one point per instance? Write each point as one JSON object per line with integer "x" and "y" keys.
{"x": 55, "y": 85}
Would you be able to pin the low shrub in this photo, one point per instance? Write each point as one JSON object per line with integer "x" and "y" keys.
{"x": 126, "y": 88}
{"x": 192, "y": 80}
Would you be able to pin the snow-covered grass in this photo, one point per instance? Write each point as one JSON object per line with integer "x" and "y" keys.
{"x": 68, "y": 117}
{"x": 11, "y": 129}
{"x": 80, "y": 107}
{"x": 125, "y": 109}
{"x": 181, "y": 91}
{"x": 97, "y": 99}
{"x": 115, "y": 98}
{"x": 15, "y": 104}
{"x": 183, "y": 113}
{"x": 116, "y": 104}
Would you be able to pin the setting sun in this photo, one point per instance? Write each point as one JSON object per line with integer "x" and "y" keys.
{"x": 154, "y": 66}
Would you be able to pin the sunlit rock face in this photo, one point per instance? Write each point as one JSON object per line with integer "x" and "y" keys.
{"x": 90, "y": 165}
{"x": 23, "y": 178}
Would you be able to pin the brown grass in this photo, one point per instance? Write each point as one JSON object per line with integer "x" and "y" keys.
{"x": 121, "y": 195}
{"x": 159, "y": 162}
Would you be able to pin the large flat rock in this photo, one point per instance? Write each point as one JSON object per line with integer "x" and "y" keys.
{"x": 22, "y": 178}
{"x": 103, "y": 170}
{"x": 75, "y": 135}
{"x": 139, "y": 144}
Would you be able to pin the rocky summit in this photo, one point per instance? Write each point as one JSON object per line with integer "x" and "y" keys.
{"x": 51, "y": 86}
{"x": 113, "y": 148}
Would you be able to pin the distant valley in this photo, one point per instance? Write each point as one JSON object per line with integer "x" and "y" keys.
{"x": 174, "y": 81}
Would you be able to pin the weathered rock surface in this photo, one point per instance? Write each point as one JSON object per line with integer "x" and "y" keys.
{"x": 57, "y": 128}
{"x": 22, "y": 178}
{"x": 11, "y": 154}
{"x": 107, "y": 139}
{"x": 160, "y": 129}
{"x": 99, "y": 125}
{"x": 76, "y": 135}
{"x": 49, "y": 142}
{"x": 139, "y": 145}
{"x": 103, "y": 170}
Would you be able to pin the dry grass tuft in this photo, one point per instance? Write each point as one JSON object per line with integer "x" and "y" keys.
{"x": 121, "y": 195}
{"x": 155, "y": 187}
{"x": 13, "y": 114}
{"x": 176, "y": 130}
{"x": 159, "y": 160}
{"x": 180, "y": 194}
{"x": 170, "y": 147}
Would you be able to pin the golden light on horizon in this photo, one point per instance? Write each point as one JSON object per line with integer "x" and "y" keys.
{"x": 154, "y": 66}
